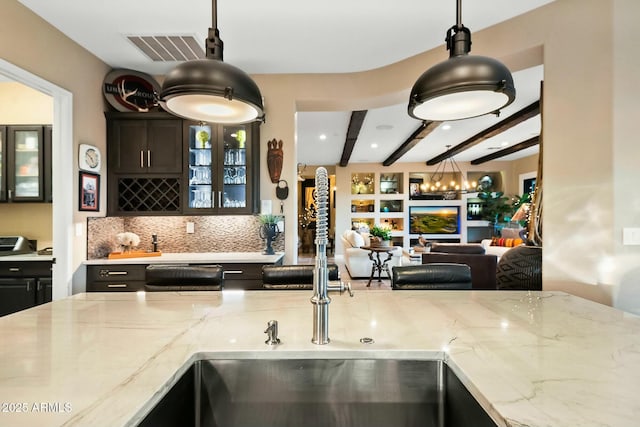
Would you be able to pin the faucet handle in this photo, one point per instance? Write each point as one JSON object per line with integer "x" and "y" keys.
{"x": 340, "y": 287}
{"x": 272, "y": 333}
{"x": 348, "y": 288}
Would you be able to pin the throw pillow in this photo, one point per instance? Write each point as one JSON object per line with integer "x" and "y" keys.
{"x": 510, "y": 233}
{"x": 509, "y": 243}
{"x": 355, "y": 239}
{"x": 366, "y": 239}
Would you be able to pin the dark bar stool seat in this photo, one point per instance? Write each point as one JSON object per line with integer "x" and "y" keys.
{"x": 280, "y": 277}
{"x": 444, "y": 276}
{"x": 184, "y": 278}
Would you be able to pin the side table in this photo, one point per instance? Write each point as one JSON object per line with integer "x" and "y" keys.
{"x": 379, "y": 265}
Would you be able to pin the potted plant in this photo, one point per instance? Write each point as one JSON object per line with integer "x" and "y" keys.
{"x": 380, "y": 236}
{"x": 269, "y": 230}
{"x": 494, "y": 207}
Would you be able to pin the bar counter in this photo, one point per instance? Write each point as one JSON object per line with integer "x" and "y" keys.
{"x": 530, "y": 358}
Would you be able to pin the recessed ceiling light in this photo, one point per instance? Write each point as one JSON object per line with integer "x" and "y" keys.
{"x": 323, "y": 136}
{"x": 504, "y": 143}
{"x": 446, "y": 127}
{"x": 374, "y": 145}
{"x": 384, "y": 127}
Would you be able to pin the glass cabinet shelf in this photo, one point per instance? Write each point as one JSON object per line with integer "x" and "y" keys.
{"x": 363, "y": 183}
{"x": 361, "y": 206}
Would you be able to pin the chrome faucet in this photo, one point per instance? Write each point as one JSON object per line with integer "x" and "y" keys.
{"x": 272, "y": 333}
{"x": 321, "y": 286}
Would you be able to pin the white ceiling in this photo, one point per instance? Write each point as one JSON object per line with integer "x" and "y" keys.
{"x": 294, "y": 36}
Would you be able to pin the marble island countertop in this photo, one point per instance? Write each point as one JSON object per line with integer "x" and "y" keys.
{"x": 194, "y": 257}
{"x": 531, "y": 359}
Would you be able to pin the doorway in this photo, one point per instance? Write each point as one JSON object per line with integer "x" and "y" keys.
{"x": 307, "y": 214}
{"x": 62, "y": 177}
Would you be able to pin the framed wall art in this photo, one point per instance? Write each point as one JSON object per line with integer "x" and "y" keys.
{"x": 89, "y": 191}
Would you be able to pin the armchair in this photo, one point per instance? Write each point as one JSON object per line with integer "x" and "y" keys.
{"x": 356, "y": 259}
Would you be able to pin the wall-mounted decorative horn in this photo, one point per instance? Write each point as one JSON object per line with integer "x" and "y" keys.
{"x": 274, "y": 160}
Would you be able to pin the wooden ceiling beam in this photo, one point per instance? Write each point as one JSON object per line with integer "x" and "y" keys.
{"x": 526, "y": 113}
{"x": 420, "y": 133}
{"x": 355, "y": 124}
{"x": 510, "y": 150}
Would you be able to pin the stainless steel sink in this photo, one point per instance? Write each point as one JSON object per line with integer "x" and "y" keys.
{"x": 318, "y": 392}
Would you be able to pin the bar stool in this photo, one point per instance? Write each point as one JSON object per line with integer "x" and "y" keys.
{"x": 184, "y": 278}
{"x": 443, "y": 276}
{"x": 300, "y": 277}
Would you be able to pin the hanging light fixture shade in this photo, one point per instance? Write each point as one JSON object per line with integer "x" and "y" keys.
{"x": 210, "y": 90}
{"x": 463, "y": 86}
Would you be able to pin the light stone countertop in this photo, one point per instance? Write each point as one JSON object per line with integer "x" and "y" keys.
{"x": 194, "y": 257}
{"x": 26, "y": 257}
{"x": 531, "y": 358}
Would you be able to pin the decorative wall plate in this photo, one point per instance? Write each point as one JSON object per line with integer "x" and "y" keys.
{"x": 130, "y": 91}
{"x": 89, "y": 158}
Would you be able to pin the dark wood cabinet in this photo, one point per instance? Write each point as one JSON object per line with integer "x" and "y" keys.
{"x": 131, "y": 277}
{"x": 144, "y": 164}
{"x": 151, "y": 145}
{"x": 115, "y": 277}
{"x": 158, "y": 164}
{"x": 24, "y": 284}
{"x": 25, "y": 163}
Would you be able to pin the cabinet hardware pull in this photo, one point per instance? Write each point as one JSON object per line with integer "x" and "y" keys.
{"x": 14, "y": 269}
{"x": 117, "y": 273}
{"x": 148, "y": 158}
{"x": 117, "y": 285}
{"x": 141, "y": 159}
{"x": 219, "y": 199}
{"x": 9, "y": 195}
{"x": 28, "y": 286}
{"x": 233, "y": 272}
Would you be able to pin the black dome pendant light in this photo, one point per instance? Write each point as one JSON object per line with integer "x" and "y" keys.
{"x": 210, "y": 90}
{"x": 464, "y": 85}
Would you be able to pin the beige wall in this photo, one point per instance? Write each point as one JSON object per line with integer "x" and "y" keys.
{"x": 20, "y": 104}
{"x": 32, "y": 44}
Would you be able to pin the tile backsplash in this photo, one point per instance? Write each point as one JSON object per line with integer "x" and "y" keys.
{"x": 211, "y": 234}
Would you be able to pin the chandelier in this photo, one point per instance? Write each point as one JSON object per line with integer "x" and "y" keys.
{"x": 448, "y": 180}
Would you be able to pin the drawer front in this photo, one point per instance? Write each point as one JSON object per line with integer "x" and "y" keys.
{"x": 25, "y": 269}
{"x": 116, "y": 286}
{"x": 115, "y": 273}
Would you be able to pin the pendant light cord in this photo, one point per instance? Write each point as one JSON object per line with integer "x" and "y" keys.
{"x": 458, "y": 37}
{"x": 214, "y": 46}
{"x": 214, "y": 14}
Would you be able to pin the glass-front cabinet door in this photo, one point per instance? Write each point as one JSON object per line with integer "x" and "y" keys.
{"x": 3, "y": 164}
{"x": 24, "y": 169}
{"x": 234, "y": 165}
{"x": 200, "y": 173}
{"x": 219, "y": 174}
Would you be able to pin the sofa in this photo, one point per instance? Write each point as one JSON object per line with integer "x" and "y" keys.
{"x": 356, "y": 259}
{"x": 483, "y": 266}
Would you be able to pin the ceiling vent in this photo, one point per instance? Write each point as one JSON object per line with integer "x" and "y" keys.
{"x": 163, "y": 48}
